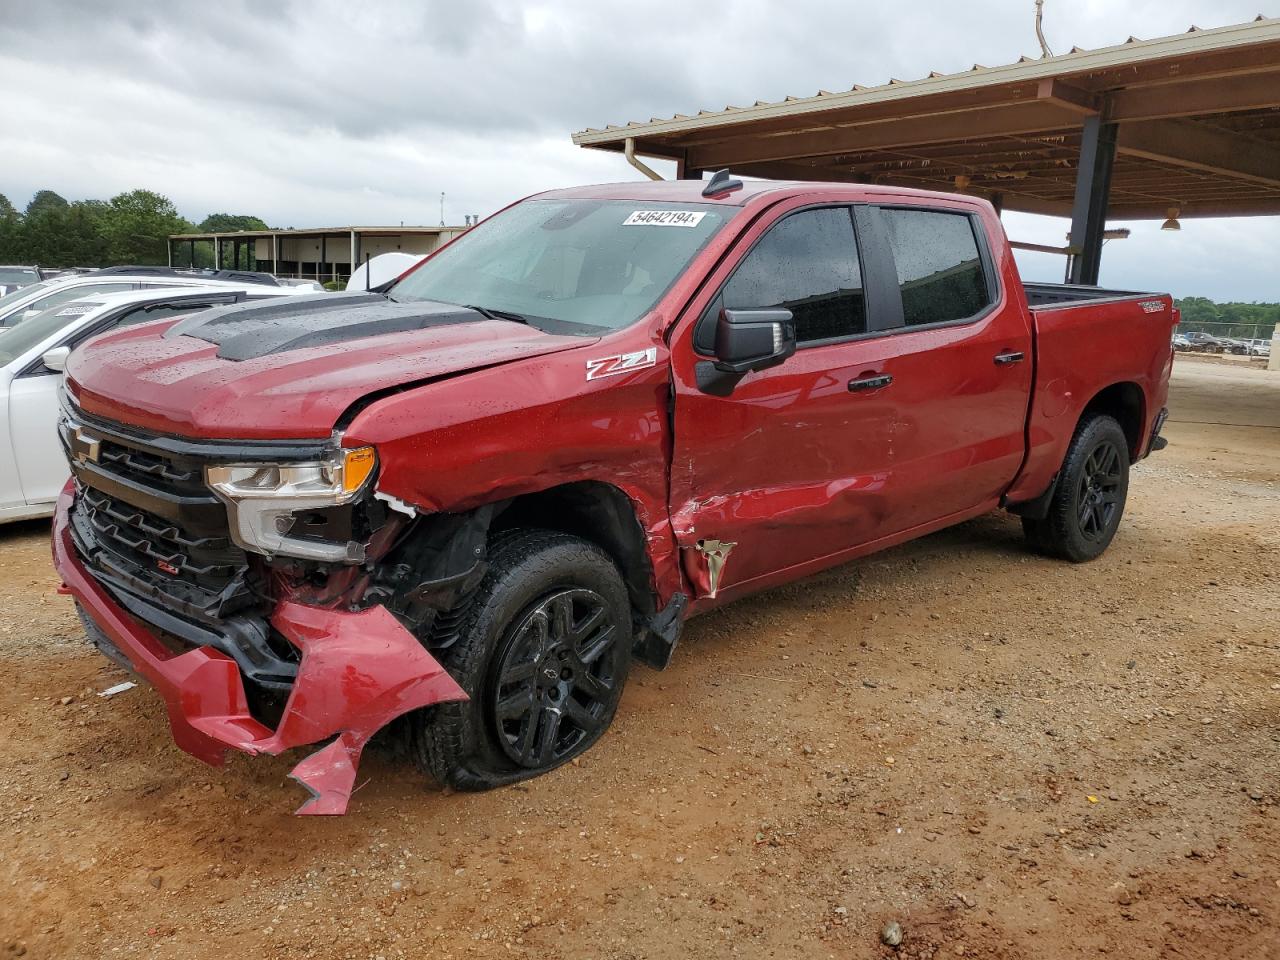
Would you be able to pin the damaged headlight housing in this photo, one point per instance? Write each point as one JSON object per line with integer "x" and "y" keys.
{"x": 262, "y": 499}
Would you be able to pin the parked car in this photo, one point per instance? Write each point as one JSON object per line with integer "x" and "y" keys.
{"x": 536, "y": 455}
{"x": 1258, "y": 348}
{"x": 33, "y": 467}
{"x": 1234, "y": 345}
{"x": 311, "y": 286}
{"x": 38, "y": 297}
{"x": 1181, "y": 343}
{"x": 15, "y": 278}
{"x": 1200, "y": 342}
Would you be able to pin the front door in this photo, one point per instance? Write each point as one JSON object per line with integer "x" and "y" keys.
{"x": 33, "y": 428}
{"x": 874, "y": 427}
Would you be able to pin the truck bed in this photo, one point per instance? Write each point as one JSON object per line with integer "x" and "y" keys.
{"x": 1088, "y": 339}
{"x": 1045, "y": 295}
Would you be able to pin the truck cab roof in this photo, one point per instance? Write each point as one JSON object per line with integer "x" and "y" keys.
{"x": 749, "y": 193}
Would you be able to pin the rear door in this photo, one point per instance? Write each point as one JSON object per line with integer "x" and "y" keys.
{"x": 961, "y": 367}
{"x": 893, "y": 414}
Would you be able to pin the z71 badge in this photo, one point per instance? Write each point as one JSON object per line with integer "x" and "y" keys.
{"x": 622, "y": 363}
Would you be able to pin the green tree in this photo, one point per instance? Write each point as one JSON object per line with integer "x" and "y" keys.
{"x": 136, "y": 226}
{"x": 10, "y": 231}
{"x": 84, "y": 242}
{"x": 42, "y": 229}
{"x": 229, "y": 223}
{"x": 44, "y": 202}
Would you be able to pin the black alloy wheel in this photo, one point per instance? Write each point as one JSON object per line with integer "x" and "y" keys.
{"x": 554, "y": 683}
{"x": 1088, "y": 499}
{"x": 542, "y": 654}
{"x": 1098, "y": 496}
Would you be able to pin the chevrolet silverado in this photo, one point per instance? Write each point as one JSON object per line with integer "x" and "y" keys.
{"x": 470, "y": 498}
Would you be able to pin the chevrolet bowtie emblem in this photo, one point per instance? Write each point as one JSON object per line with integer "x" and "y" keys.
{"x": 85, "y": 446}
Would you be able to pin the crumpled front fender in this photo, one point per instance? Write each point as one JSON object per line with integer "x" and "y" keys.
{"x": 358, "y": 672}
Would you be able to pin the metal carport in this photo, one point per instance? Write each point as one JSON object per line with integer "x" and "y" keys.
{"x": 1181, "y": 126}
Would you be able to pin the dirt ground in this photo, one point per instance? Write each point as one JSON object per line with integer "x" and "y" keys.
{"x": 1011, "y": 757}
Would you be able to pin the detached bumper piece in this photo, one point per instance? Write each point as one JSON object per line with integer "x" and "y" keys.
{"x": 357, "y": 673}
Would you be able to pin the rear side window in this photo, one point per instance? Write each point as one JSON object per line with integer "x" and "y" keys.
{"x": 939, "y": 265}
{"x": 808, "y": 263}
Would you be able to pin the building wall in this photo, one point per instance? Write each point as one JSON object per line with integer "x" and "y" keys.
{"x": 337, "y": 248}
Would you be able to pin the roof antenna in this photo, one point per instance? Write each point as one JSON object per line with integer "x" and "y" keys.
{"x": 1044, "y": 47}
{"x": 721, "y": 183}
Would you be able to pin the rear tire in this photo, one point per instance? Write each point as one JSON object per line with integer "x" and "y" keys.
{"x": 1088, "y": 502}
{"x": 543, "y": 657}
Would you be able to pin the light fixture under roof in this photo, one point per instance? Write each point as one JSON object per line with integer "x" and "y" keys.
{"x": 1172, "y": 223}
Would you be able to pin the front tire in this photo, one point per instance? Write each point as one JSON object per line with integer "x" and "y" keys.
{"x": 543, "y": 657}
{"x": 1089, "y": 499}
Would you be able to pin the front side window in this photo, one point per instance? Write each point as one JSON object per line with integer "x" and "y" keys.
{"x": 807, "y": 263}
{"x": 569, "y": 266}
{"x": 939, "y": 267}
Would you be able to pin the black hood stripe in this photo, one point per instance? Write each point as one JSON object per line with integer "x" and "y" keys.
{"x": 252, "y": 330}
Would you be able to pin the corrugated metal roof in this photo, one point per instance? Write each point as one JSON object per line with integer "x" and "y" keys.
{"x": 315, "y": 232}
{"x": 1074, "y": 63}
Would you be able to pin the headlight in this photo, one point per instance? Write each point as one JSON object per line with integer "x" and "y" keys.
{"x": 262, "y": 498}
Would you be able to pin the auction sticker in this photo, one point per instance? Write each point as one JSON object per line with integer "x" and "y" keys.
{"x": 664, "y": 218}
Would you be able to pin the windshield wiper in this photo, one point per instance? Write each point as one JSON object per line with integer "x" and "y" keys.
{"x": 490, "y": 314}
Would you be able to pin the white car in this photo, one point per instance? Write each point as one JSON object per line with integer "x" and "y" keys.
{"x": 26, "y": 302}
{"x": 33, "y": 468}
{"x": 1259, "y": 348}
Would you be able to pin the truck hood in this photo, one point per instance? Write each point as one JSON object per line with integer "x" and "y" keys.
{"x": 277, "y": 371}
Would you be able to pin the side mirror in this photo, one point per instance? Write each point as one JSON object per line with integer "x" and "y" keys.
{"x": 749, "y": 340}
{"x": 56, "y": 359}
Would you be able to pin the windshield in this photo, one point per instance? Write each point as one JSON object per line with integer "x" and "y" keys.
{"x": 569, "y": 266}
{"x": 15, "y": 341}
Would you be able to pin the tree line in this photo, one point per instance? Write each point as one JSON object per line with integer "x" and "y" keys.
{"x": 130, "y": 228}
{"x": 1228, "y": 319}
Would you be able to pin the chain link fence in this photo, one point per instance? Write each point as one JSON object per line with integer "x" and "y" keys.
{"x": 1241, "y": 339}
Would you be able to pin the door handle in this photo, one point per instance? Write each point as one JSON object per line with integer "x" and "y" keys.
{"x": 1010, "y": 356}
{"x": 870, "y": 383}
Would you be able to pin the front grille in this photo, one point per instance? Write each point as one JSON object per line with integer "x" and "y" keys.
{"x": 144, "y": 521}
{"x": 153, "y": 534}
{"x": 143, "y": 466}
{"x": 159, "y": 549}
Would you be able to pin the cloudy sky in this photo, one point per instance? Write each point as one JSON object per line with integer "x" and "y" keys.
{"x": 322, "y": 113}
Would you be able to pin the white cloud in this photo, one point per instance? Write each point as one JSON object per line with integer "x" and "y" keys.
{"x": 321, "y": 113}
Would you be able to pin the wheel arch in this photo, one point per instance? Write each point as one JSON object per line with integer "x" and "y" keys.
{"x": 599, "y": 513}
{"x": 1126, "y": 403}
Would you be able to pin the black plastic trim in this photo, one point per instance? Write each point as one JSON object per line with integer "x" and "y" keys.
{"x": 203, "y": 515}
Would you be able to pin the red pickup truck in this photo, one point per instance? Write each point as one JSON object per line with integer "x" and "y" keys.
{"x": 472, "y": 497}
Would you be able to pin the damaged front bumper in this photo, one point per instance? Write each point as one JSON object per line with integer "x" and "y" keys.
{"x": 358, "y": 672}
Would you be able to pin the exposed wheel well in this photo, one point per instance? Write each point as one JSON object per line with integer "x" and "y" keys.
{"x": 598, "y": 512}
{"x": 1126, "y": 404}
